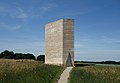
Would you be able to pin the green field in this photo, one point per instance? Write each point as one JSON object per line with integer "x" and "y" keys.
{"x": 95, "y": 74}
{"x": 28, "y": 71}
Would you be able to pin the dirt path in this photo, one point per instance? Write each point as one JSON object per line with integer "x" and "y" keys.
{"x": 65, "y": 75}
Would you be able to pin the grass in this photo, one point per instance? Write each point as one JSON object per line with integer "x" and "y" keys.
{"x": 95, "y": 74}
{"x": 28, "y": 71}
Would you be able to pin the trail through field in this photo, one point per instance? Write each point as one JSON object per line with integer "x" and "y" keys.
{"x": 65, "y": 75}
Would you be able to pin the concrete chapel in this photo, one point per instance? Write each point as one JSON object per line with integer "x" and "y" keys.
{"x": 59, "y": 42}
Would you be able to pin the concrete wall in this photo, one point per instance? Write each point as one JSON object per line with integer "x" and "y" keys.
{"x": 68, "y": 40}
{"x": 54, "y": 42}
{"x": 59, "y": 38}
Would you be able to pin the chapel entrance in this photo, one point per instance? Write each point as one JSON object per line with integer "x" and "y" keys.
{"x": 69, "y": 62}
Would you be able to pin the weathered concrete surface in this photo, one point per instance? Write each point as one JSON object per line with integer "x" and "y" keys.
{"x": 68, "y": 40}
{"x": 59, "y": 42}
{"x": 54, "y": 42}
{"x": 65, "y": 75}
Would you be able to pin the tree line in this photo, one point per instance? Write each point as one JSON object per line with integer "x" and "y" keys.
{"x": 102, "y": 62}
{"x": 11, "y": 55}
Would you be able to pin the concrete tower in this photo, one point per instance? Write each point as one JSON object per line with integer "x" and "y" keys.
{"x": 59, "y": 42}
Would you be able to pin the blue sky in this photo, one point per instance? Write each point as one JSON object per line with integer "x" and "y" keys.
{"x": 97, "y": 26}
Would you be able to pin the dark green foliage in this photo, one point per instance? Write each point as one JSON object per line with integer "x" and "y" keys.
{"x": 24, "y": 56}
{"x": 83, "y": 64}
{"x": 11, "y": 55}
{"x": 102, "y": 62}
{"x": 7, "y": 54}
{"x": 40, "y": 74}
{"x": 41, "y": 58}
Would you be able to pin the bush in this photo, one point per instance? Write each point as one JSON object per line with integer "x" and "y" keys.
{"x": 24, "y": 56}
{"x": 7, "y": 54}
{"x": 11, "y": 55}
{"x": 41, "y": 58}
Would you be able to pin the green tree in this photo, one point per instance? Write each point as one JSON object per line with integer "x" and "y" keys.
{"x": 7, "y": 54}
{"x": 41, "y": 58}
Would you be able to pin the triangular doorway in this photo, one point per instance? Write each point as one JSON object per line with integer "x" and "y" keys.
{"x": 69, "y": 62}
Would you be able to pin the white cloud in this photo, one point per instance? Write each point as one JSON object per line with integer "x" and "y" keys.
{"x": 25, "y": 14}
{"x": 111, "y": 52}
{"x": 100, "y": 48}
{"x": 99, "y": 40}
{"x": 84, "y": 10}
{"x": 16, "y": 27}
{"x": 97, "y": 55}
{"x": 35, "y": 47}
{"x": 48, "y": 6}
{"x": 20, "y": 14}
{"x": 10, "y": 27}
{"x": 78, "y": 45}
{"x": 110, "y": 40}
